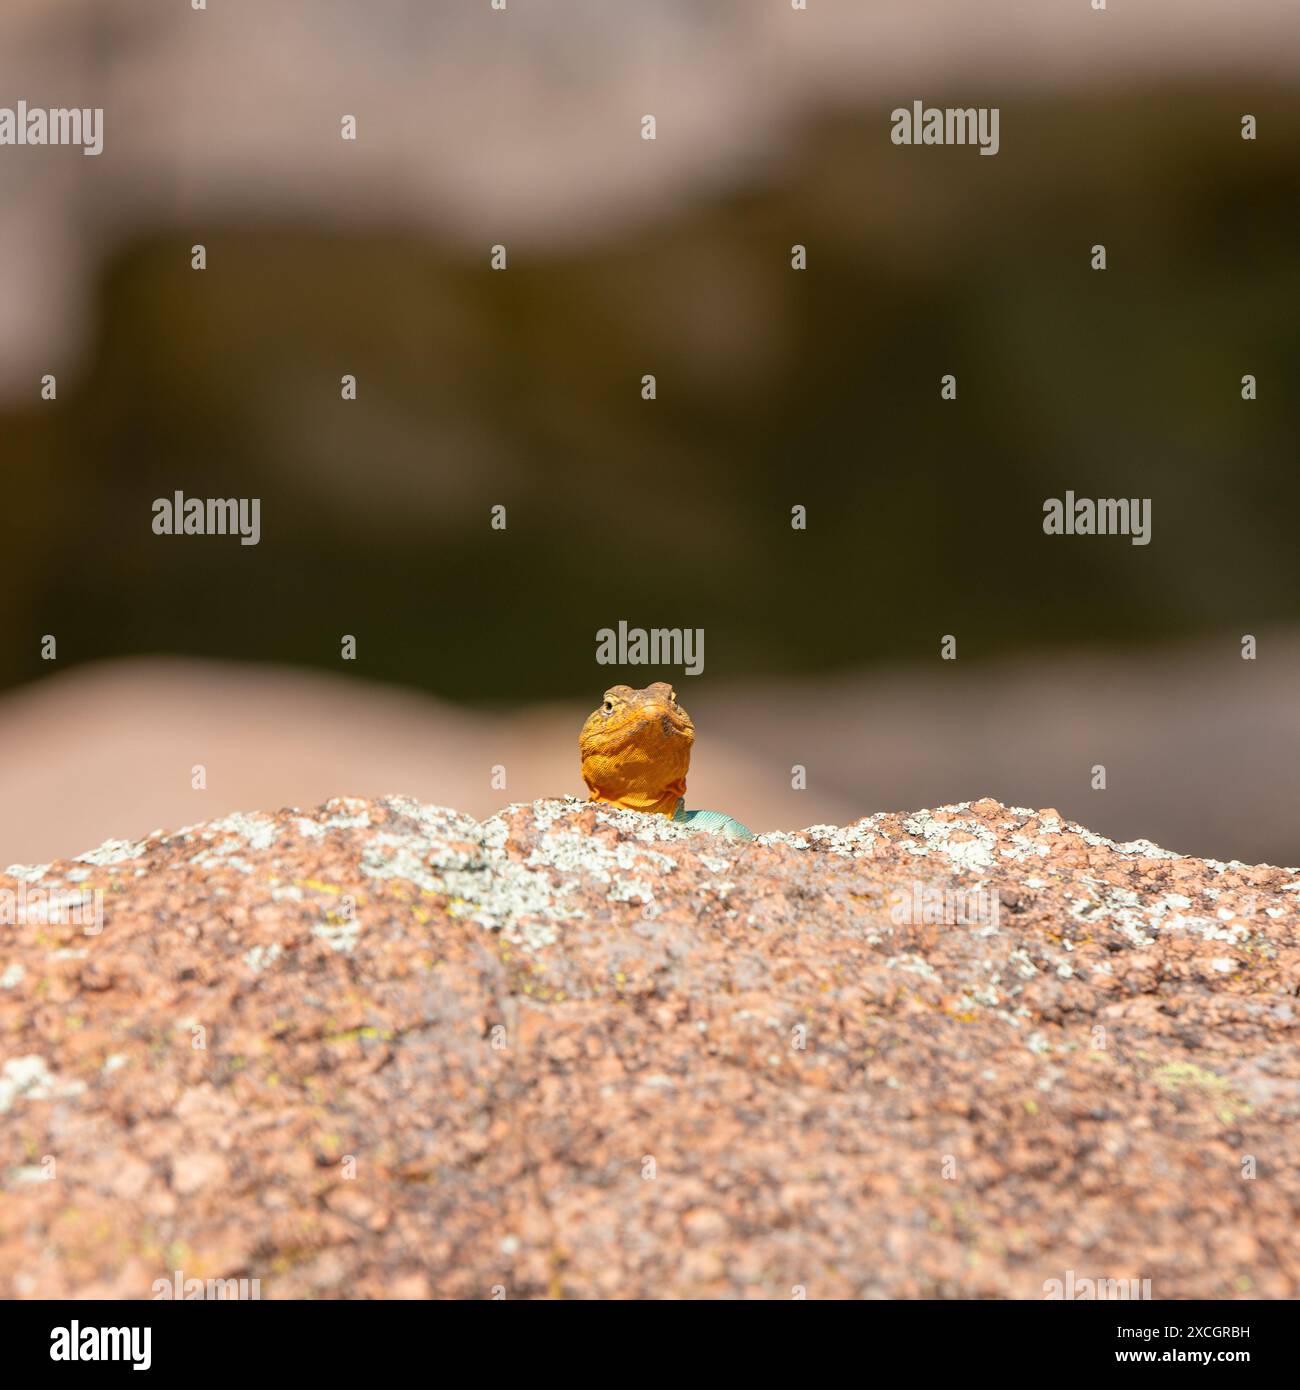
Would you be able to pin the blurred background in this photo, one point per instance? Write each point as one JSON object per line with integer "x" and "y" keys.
{"x": 476, "y": 647}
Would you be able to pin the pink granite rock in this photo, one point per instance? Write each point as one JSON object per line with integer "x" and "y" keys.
{"x": 384, "y": 1050}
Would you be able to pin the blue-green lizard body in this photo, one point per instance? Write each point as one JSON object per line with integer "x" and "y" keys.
{"x": 713, "y": 821}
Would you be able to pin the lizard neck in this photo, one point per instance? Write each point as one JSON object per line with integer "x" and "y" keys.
{"x": 664, "y": 803}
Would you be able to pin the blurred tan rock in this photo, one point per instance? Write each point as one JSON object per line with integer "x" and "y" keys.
{"x": 1190, "y": 737}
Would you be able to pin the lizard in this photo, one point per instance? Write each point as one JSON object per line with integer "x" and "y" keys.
{"x": 636, "y": 750}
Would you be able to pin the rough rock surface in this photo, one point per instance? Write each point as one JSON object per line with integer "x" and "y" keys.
{"x": 384, "y": 1050}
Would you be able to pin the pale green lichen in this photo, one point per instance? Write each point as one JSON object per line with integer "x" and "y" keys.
{"x": 114, "y": 852}
{"x": 30, "y": 1078}
{"x": 257, "y": 958}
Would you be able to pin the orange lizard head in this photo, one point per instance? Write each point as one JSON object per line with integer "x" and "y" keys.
{"x": 636, "y": 749}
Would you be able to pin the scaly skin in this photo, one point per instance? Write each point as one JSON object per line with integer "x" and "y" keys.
{"x": 636, "y": 750}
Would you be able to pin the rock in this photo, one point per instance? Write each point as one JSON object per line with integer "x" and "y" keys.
{"x": 382, "y": 1049}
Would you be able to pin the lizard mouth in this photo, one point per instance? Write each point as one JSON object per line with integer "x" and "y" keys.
{"x": 649, "y": 723}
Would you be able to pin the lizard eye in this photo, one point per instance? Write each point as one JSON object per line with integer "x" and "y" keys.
{"x": 609, "y": 707}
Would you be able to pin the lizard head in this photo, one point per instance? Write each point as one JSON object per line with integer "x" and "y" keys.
{"x": 636, "y": 749}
